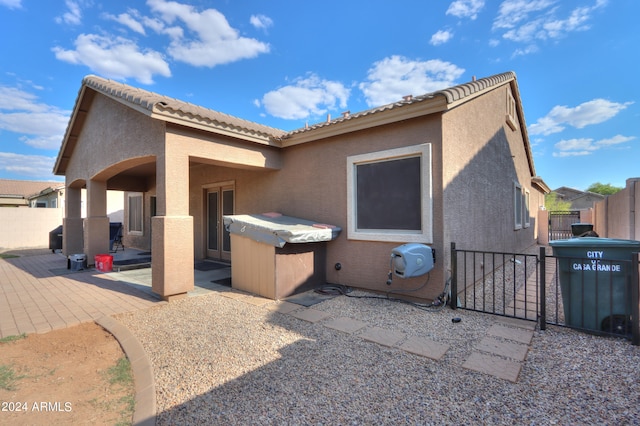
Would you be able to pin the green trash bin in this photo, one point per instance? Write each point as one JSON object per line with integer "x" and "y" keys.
{"x": 595, "y": 282}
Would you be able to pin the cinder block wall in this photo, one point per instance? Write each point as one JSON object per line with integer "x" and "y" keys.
{"x": 27, "y": 228}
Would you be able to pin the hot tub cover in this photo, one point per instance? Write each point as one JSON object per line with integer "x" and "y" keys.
{"x": 277, "y": 230}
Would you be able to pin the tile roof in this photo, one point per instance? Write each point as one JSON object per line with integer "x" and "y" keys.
{"x": 453, "y": 95}
{"x": 165, "y": 106}
{"x": 160, "y": 104}
{"x": 25, "y": 188}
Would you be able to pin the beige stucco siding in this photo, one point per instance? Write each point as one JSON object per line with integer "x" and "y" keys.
{"x": 113, "y": 133}
{"x": 312, "y": 184}
{"x": 483, "y": 157}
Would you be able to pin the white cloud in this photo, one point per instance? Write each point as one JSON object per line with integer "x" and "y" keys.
{"x": 586, "y": 146}
{"x": 465, "y": 8}
{"x": 73, "y": 16}
{"x": 310, "y": 96}
{"x": 32, "y": 166}
{"x": 527, "y": 21}
{"x": 209, "y": 39}
{"x": 512, "y": 12}
{"x": 261, "y": 22}
{"x": 392, "y": 78}
{"x": 11, "y": 4}
{"x": 585, "y": 114}
{"x": 441, "y": 37}
{"x": 116, "y": 58}
{"x": 130, "y": 20}
{"x": 41, "y": 125}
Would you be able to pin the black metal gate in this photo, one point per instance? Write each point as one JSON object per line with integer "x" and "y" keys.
{"x": 528, "y": 286}
{"x": 560, "y": 224}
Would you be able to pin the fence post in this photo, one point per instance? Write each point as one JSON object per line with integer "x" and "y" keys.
{"x": 635, "y": 300}
{"x": 543, "y": 288}
{"x": 454, "y": 277}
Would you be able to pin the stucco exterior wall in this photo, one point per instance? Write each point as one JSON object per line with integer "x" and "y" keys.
{"x": 618, "y": 215}
{"x": 29, "y": 228}
{"x": 483, "y": 157}
{"x": 313, "y": 185}
{"x": 112, "y": 134}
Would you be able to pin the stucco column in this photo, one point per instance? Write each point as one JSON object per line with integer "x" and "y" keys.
{"x": 96, "y": 225}
{"x": 72, "y": 235}
{"x": 172, "y": 239}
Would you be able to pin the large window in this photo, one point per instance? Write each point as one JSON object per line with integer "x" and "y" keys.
{"x": 389, "y": 195}
{"x": 135, "y": 213}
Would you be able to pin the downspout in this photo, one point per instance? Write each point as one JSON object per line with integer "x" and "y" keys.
{"x": 631, "y": 187}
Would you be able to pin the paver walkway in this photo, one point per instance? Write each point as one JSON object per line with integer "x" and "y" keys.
{"x": 34, "y": 298}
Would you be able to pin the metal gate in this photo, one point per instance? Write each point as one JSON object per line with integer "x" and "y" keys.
{"x": 528, "y": 286}
{"x": 560, "y": 224}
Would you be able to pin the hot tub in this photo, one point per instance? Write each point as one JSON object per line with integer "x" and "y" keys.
{"x": 275, "y": 256}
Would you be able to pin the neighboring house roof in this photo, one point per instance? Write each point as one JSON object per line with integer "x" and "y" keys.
{"x": 569, "y": 194}
{"x": 190, "y": 115}
{"x": 18, "y": 192}
{"x": 26, "y": 188}
{"x": 578, "y": 199}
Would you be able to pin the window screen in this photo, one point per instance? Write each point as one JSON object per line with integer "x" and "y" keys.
{"x": 388, "y": 195}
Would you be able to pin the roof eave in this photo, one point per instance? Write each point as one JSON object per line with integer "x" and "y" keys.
{"x": 175, "y": 117}
{"x": 435, "y": 104}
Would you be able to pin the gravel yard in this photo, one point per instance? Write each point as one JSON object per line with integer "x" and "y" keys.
{"x": 218, "y": 360}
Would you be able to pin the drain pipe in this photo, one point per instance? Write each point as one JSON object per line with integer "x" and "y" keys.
{"x": 631, "y": 187}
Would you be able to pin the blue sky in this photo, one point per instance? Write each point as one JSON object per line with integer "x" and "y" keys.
{"x": 287, "y": 63}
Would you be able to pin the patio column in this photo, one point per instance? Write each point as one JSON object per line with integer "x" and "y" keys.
{"x": 72, "y": 235}
{"x": 172, "y": 239}
{"x": 96, "y": 225}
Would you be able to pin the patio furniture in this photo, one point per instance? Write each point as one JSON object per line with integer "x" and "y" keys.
{"x": 115, "y": 237}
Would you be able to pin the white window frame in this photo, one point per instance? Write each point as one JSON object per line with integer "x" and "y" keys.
{"x": 135, "y": 231}
{"x": 511, "y": 111}
{"x": 424, "y": 235}
{"x": 517, "y": 205}
{"x": 525, "y": 208}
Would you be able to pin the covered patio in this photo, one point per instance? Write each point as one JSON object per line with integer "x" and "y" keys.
{"x": 148, "y": 145}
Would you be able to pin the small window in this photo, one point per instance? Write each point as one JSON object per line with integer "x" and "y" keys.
{"x": 517, "y": 205}
{"x": 389, "y": 195}
{"x": 511, "y": 111}
{"x": 135, "y": 213}
{"x": 527, "y": 214}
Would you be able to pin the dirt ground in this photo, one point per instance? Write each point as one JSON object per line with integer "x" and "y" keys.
{"x": 65, "y": 377}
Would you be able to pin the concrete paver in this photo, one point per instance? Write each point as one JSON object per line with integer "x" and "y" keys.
{"x": 39, "y": 301}
{"x": 309, "y": 314}
{"x": 496, "y": 366}
{"x": 346, "y": 325}
{"x": 382, "y": 336}
{"x": 512, "y": 333}
{"x": 515, "y": 351}
{"x": 424, "y": 347}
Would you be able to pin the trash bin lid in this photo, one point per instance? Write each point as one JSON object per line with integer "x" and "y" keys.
{"x": 596, "y": 242}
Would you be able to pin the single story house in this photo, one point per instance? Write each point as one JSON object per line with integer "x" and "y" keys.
{"x": 30, "y": 193}
{"x": 580, "y": 200}
{"x": 449, "y": 166}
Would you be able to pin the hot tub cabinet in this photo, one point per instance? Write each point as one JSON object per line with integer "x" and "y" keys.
{"x": 275, "y": 256}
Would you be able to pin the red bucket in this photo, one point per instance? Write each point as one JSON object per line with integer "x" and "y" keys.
{"x": 104, "y": 262}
